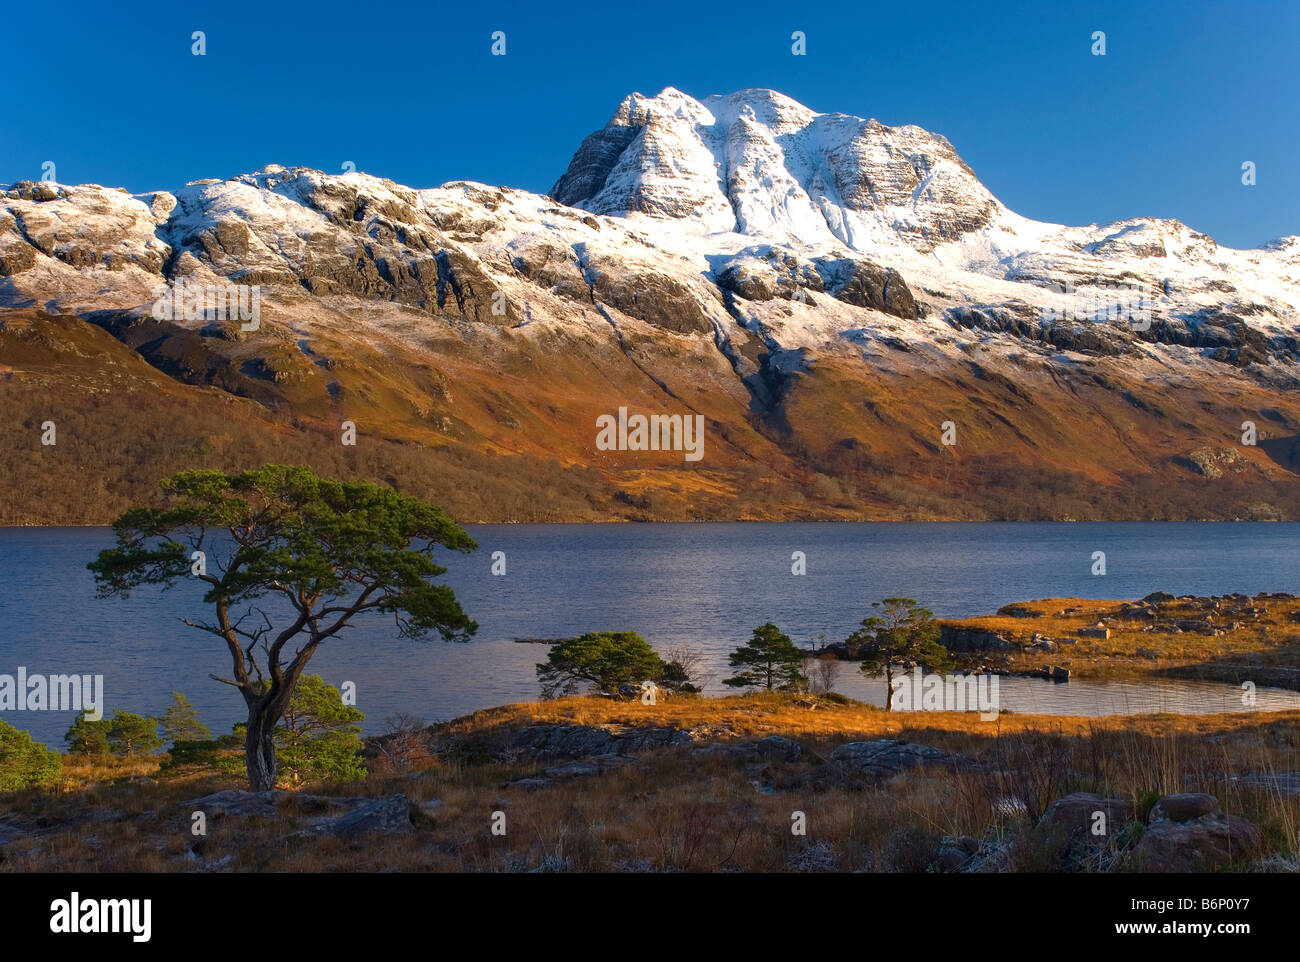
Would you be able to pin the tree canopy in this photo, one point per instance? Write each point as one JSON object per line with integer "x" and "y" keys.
{"x": 604, "y": 661}
{"x": 324, "y": 551}
{"x": 126, "y": 733}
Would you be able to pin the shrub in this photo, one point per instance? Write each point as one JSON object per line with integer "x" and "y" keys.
{"x": 25, "y": 763}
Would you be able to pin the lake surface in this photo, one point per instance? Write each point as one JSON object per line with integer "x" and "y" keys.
{"x": 700, "y": 585}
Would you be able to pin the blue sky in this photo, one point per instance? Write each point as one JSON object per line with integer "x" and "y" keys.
{"x": 1160, "y": 125}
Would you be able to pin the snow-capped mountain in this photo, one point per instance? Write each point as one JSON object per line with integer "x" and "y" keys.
{"x": 758, "y": 163}
{"x": 774, "y": 175}
{"x": 827, "y": 290}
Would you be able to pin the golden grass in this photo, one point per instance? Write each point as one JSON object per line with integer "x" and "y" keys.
{"x": 767, "y": 713}
{"x": 674, "y": 809}
{"x": 1265, "y": 649}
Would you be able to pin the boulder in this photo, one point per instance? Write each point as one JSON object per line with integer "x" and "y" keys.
{"x": 1209, "y": 842}
{"x": 972, "y": 639}
{"x": 1077, "y": 813}
{"x": 1189, "y": 832}
{"x": 384, "y": 816}
{"x": 951, "y": 858}
{"x": 1183, "y": 807}
{"x": 863, "y": 283}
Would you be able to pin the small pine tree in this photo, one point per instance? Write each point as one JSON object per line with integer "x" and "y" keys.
{"x": 132, "y": 734}
{"x": 180, "y": 722}
{"x": 87, "y": 737}
{"x": 903, "y": 631}
{"x": 770, "y": 661}
{"x": 318, "y": 739}
{"x": 25, "y": 763}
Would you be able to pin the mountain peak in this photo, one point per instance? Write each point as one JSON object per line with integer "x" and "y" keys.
{"x": 760, "y": 163}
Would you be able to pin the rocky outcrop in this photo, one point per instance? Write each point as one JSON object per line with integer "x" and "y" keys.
{"x": 764, "y": 274}
{"x": 884, "y": 758}
{"x": 383, "y": 816}
{"x": 580, "y": 741}
{"x": 236, "y": 802}
{"x": 361, "y": 816}
{"x": 957, "y": 638}
{"x": 591, "y": 165}
{"x": 591, "y": 766}
{"x": 1220, "y": 336}
{"x": 660, "y": 301}
{"x": 1209, "y": 462}
{"x": 1281, "y": 783}
{"x": 865, "y": 284}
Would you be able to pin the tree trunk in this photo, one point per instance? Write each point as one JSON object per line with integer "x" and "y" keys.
{"x": 889, "y": 686}
{"x": 265, "y": 709}
{"x": 259, "y": 749}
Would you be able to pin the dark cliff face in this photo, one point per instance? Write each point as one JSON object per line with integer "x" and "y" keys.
{"x": 590, "y": 167}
